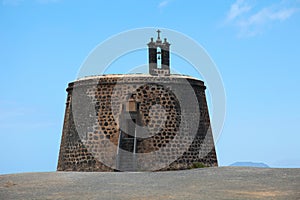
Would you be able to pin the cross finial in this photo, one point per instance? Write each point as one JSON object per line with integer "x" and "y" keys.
{"x": 158, "y": 32}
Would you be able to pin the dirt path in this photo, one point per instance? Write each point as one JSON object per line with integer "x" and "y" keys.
{"x": 208, "y": 184}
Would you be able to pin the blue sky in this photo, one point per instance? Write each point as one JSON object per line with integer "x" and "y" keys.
{"x": 255, "y": 45}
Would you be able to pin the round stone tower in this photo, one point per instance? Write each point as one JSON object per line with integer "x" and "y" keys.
{"x": 137, "y": 122}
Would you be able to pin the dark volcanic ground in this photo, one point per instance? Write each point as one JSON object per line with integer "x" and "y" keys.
{"x": 207, "y": 183}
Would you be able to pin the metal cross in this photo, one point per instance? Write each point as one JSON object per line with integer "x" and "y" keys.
{"x": 158, "y": 32}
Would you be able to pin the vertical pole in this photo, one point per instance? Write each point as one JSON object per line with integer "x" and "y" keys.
{"x": 134, "y": 146}
{"x": 118, "y": 148}
{"x": 118, "y": 151}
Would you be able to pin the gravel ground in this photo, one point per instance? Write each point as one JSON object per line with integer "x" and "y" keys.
{"x": 207, "y": 183}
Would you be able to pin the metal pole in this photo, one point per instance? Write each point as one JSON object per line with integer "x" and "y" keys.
{"x": 134, "y": 146}
{"x": 118, "y": 148}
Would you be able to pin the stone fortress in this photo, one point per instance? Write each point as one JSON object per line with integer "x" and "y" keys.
{"x": 137, "y": 122}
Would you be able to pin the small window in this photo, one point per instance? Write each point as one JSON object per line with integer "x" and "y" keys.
{"x": 131, "y": 106}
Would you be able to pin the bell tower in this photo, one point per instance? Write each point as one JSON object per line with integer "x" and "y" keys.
{"x": 159, "y": 56}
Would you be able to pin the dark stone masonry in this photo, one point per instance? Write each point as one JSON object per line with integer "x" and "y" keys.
{"x": 137, "y": 122}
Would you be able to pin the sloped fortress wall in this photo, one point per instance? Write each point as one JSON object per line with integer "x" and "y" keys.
{"x": 136, "y": 123}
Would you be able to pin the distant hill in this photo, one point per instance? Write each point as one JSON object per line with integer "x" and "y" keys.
{"x": 249, "y": 164}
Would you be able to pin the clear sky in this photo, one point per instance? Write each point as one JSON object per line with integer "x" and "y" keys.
{"x": 255, "y": 45}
